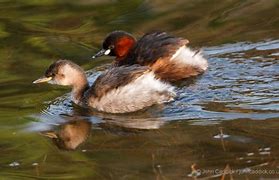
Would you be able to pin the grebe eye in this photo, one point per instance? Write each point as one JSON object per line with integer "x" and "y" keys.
{"x": 111, "y": 46}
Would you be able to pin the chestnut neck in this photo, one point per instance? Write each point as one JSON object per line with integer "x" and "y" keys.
{"x": 123, "y": 47}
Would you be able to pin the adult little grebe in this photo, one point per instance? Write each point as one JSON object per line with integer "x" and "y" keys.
{"x": 118, "y": 90}
{"x": 167, "y": 55}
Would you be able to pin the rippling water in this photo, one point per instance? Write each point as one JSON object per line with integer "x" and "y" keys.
{"x": 225, "y": 119}
{"x": 241, "y": 82}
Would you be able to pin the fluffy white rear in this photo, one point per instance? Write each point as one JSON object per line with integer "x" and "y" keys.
{"x": 186, "y": 56}
{"x": 142, "y": 92}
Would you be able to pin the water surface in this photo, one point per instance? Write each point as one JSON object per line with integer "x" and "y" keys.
{"x": 225, "y": 119}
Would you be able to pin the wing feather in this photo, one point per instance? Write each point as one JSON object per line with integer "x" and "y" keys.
{"x": 156, "y": 45}
{"x": 116, "y": 77}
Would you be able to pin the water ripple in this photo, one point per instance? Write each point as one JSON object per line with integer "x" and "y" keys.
{"x": 241, "y": 82}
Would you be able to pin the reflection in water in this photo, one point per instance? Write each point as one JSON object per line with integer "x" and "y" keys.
{"x": 143, "y": 124}
{"x": 70, "y": 134}
{"x": 191, "y": 134}
{"x": 239, "y": 93}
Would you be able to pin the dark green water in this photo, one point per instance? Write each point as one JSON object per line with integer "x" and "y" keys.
{"x": 238, "y": 95}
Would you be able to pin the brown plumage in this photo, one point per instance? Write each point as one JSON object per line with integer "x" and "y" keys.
{"x": 167, "y": 70}
{"x": 115, "y": 78}
{"x": 154, "y": 46}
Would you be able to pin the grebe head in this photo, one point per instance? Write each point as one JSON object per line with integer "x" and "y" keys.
{"x": 117, "y": 43}
{"x": 65, "y": 73}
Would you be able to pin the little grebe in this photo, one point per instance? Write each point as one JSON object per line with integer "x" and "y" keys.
{"x": 118, "y": 90}
{"x": 166, "y": 55}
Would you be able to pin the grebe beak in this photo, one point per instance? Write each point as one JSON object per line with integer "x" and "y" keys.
{"x": 51, "y": 135}
{"x": 42, "y": 79}
{"x": 102, "y": 52}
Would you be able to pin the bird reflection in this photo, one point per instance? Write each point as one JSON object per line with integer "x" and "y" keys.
{"x": 141, "y": 120}
{"x": 132, "y": 124}
{"x": 69, "y": 131}
{"x": 70, "y": 134}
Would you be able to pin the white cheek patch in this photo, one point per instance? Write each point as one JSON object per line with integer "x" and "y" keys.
{"x": 107, "y": 52}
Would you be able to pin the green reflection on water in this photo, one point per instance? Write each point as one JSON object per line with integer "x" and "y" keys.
{"x": 34, "y": 33}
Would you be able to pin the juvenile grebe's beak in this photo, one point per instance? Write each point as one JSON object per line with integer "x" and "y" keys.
{"x": 51, "y": 135}
{"x": 42, "y": 79}
{"x": 102, "y": 52}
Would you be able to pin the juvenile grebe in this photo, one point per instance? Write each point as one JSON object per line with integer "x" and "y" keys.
{"x": 168, "y": 56}
{"x": 118, "y": 90}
